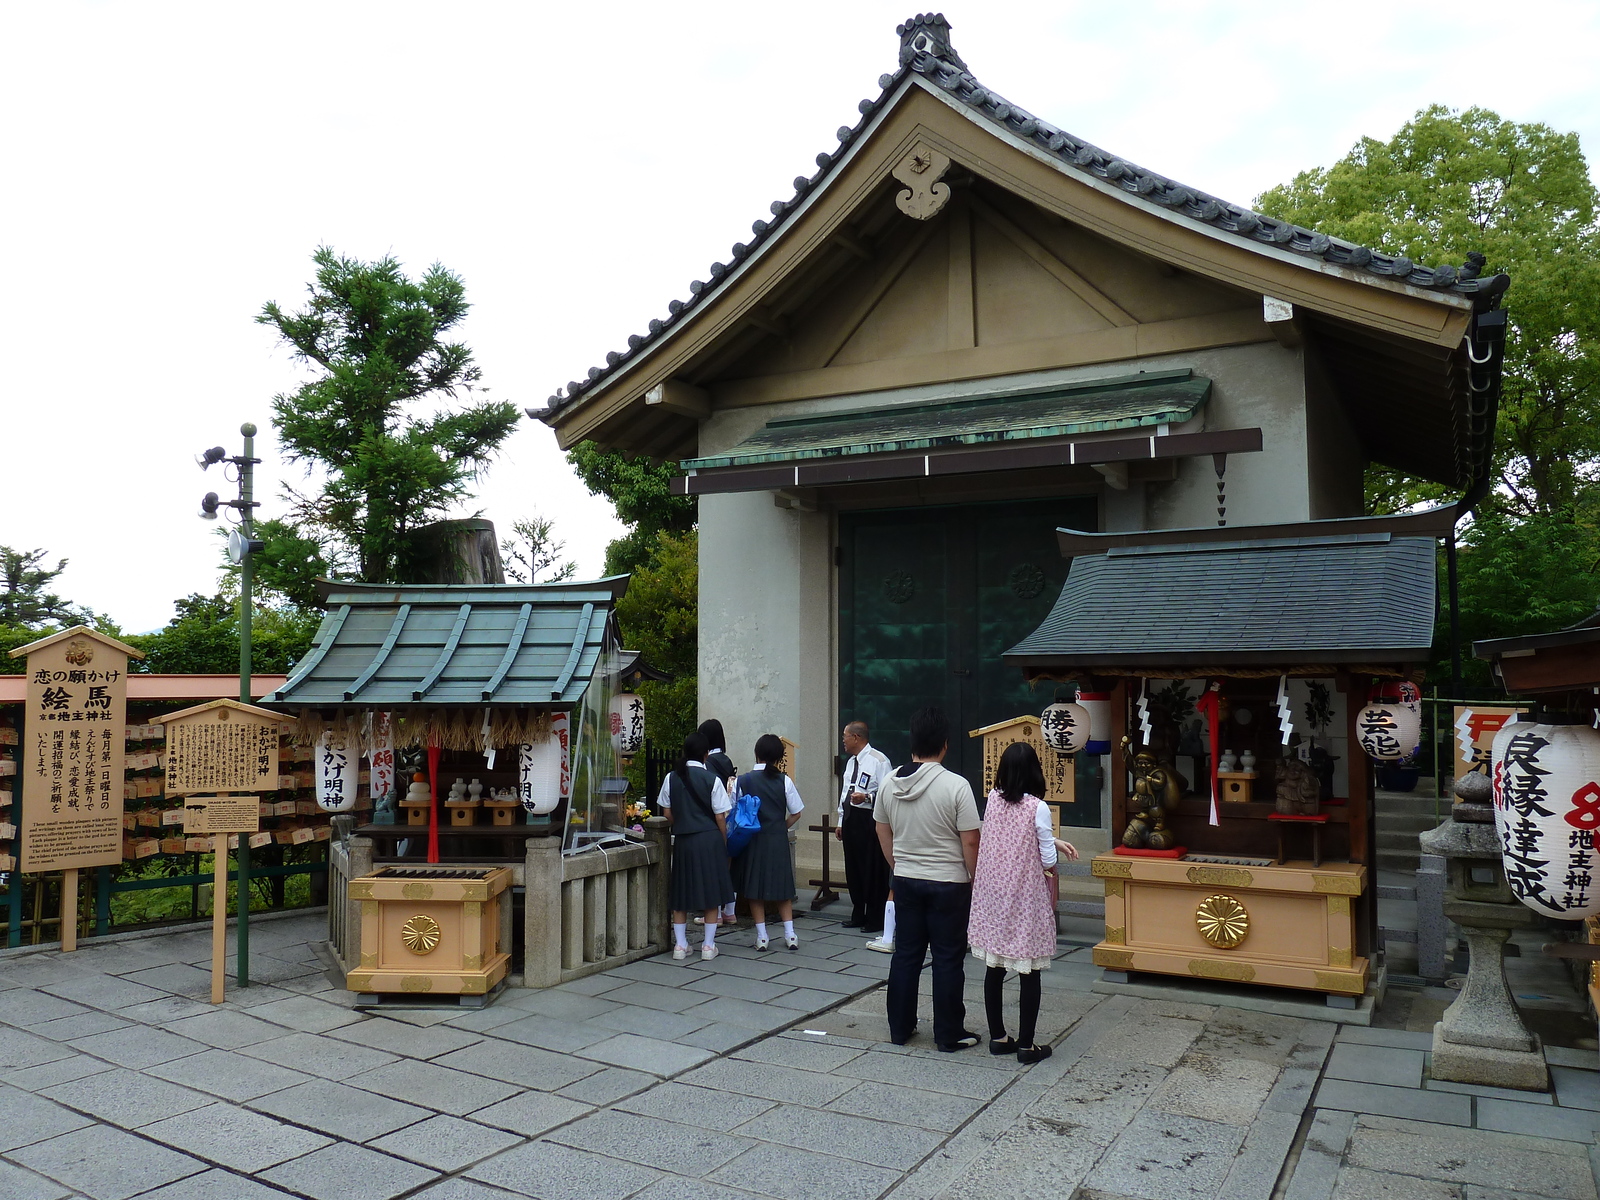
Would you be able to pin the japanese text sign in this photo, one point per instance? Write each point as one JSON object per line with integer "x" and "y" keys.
{"x": 223, "y": 746}
{"x": 72, "y": 752}
{"x": 338, "y": 774}
{"x": 221, "y": 814}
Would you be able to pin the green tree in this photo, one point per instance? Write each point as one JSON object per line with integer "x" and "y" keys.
{"x": 25, "y": 598}
{"x": 376, "y": 341}
{"x": 203, "y": 638}
{"x": 641, "y": 491}
{"x": 660, "y": 616}
{"x": 533, "y": 550}
{"x": 1452, "y": 182}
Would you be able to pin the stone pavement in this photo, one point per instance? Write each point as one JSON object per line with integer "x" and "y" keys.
{"x": 750, "y": 1076}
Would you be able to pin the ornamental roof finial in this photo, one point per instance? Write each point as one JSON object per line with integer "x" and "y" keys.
{"x": 927, "y": 33}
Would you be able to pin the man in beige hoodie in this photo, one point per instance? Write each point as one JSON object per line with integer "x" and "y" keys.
{"x": 928, "y": 827}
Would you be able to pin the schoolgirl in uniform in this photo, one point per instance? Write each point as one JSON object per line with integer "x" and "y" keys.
{"x": 720, "y": 765}
{"x": 763, "y": 873}
{"x": 695, "y": 801}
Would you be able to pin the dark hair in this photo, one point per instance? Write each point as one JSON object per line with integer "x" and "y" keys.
{"x": 711, "y": 730}
{"x": 695, "y": 749}
{"x": 1019, "y": 773}
{"x": 930, "y": 732}
{"x": 769, "y": 749}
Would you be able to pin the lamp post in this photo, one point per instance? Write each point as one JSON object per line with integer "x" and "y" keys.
{"x": 241, "y": 546}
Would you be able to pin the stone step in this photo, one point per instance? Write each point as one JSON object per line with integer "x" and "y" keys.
{"x": 1395, "y": 860}
{"x": 1398, "y": 839}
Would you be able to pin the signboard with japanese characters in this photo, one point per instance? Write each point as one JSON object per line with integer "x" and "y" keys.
{"x": 71, "y": 760}
{"x": 1475, "y": 727}
{"x": 221, "y": 814}
{"x": 338, "y": 774}
{"x": 222, "y": 746}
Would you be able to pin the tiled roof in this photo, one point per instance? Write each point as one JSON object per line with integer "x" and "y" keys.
{"x": 382, "y": 646}
{"x": 1344, "y": 597}
{"x": 925, "y": 50}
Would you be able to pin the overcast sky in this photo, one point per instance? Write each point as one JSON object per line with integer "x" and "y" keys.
{"x": 170, "y": 167}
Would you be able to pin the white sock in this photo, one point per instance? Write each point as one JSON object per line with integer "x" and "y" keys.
{"x": 711, "y": 933}
{"x": 680, "y": 935}
{"x": 727, "y": 909}
{"x": 888, "y": 921}
{"x": 761, "y": 931}
{"x": 788, "y": 929}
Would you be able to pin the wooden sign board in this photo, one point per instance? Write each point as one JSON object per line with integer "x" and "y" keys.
{"x": 786, "y": 763}
{"x": 71, "y": 762}
{"x": 222, "y": 746}
{"x": 1060, "y": 778}
{"x": 1475, "y": 726}
{"x": 221, "y": 814}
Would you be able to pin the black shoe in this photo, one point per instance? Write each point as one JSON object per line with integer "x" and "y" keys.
{"x": 852, "y": 925}
{"x": 1005, "y": 1045}
{"x": 1032, "y": 1054}
{"x": 966, "y": 1041}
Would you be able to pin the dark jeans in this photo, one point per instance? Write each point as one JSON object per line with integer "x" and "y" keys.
{"x": 929, "y": 915}
{"x": 866, "y": 871}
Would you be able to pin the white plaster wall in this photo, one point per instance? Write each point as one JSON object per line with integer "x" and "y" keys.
{"x": 767, "y": 636}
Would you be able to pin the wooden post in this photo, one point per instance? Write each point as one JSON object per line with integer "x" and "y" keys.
{"x": 219, "y": 913}
{"x": 69, "y": 910}
{"x": 1362, "y": 836}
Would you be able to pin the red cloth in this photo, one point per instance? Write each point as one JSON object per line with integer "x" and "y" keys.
{"x": 1130, "y": 852}
{"x": 433, "y": 805}
{"x": 1319, "y": 818}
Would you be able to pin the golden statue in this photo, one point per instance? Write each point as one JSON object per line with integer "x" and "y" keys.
{"x": 1157, "y": 789}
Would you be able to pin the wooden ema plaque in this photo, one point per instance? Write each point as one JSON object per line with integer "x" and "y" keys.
{"x": 1288, "y": 926}
{"x": 222, "y": 746}
{"x": 1060, "y": 778}
{"x": 430, "y": 930}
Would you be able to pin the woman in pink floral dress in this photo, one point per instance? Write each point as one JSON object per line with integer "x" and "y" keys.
{"x": 1013, "y": 922}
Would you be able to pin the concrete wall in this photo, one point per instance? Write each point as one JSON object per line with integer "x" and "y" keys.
{"x": 1335, "y": 462}
{"x": 767, "y": 657}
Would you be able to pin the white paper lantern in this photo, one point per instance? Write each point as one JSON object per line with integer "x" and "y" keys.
{"x": 539, "y": 776}
{"x": 1546, "y": 781}
{"x": 1065, "y": 727}
{"x": 1389, "y": 730}
{"x": 1098, "y": 705}
{"x": 337, "y": 775}
{"x": 627, "y": 723}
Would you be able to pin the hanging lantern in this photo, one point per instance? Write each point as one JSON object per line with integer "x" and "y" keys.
{"x": 1098, "y": 705}
{"x": 627, "y": 723}
{"x": 1065, "y": 727}
{"x": 337, "y": 775}
{"x": 539, "y": 775}
{"x": 1546, "y": 785}
{"x": 1389, "y": 730}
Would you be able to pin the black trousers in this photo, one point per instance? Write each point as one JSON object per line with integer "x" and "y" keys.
{"x": 929, "y": 915}
{"x": 865, "y": 870}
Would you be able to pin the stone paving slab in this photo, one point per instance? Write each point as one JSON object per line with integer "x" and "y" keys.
{"x": 229, "y": 1075}
{"x": 233, "y": 1137}
{"x": 345, "y": 1172}
{"x": 106, "y": 1163}
{"x": 446, "y": 1143}
{"x": 338, "y": 1109}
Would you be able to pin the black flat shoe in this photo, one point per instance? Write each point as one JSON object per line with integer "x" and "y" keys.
{"x": 1028, "y": 1055}
{"x": 852, "y": 925}
{"x": 965, "y": 1042}
{"x": 1005, "y": 1045}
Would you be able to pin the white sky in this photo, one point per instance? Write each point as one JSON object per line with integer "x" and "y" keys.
{"x": 170, "y": 167}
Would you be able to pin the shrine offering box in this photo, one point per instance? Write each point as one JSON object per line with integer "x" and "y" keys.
{"x": 431, "y": 929}
{"x": 1288, "y": 926}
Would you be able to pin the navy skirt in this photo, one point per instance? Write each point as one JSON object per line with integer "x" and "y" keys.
{"x": 700, "y": 878}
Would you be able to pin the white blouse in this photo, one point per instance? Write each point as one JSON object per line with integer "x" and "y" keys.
{"x": 719, "y": 794}
{"x": 791, "y": 797}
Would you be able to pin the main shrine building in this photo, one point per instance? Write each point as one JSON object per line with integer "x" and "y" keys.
{"x": 968, "y": 329}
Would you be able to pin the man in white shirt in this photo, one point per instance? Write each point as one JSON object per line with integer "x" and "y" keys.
{"x": 866, "y": 871}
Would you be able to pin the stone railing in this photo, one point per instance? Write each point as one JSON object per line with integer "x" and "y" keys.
{"x": 589, "y": 912}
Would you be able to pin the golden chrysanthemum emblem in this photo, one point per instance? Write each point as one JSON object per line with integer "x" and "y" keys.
{"x": 420, "y": 934}
{"x": 1222, "y": 921}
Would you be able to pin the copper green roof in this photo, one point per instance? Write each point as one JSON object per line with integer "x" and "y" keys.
{"x": 1149, "y": 398}
{"x": 473, "y": 645}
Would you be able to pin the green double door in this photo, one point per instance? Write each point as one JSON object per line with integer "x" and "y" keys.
{"x": 930, "y": 598}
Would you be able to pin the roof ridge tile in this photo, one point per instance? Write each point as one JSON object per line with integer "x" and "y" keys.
{"x": 926, "y": 50}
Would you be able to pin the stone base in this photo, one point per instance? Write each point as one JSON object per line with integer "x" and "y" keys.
{"x": 1284, "y": 1002}
{"x": 1524, "y": 1070}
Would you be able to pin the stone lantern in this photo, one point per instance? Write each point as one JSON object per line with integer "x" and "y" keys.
{"x": 1481, "y": 1038}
